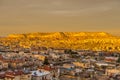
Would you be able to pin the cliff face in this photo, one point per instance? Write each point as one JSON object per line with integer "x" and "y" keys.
{"x": 63, "y": 34}
{"x": 73, "y": 40}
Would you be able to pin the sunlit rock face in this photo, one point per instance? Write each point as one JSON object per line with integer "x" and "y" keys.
{"x": 71, "y": 40}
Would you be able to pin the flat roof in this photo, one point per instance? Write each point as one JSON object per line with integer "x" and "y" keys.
{"x": 40, "y": 73}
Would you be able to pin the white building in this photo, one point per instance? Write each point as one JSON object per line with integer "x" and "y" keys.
{"x": 41, "y": 75}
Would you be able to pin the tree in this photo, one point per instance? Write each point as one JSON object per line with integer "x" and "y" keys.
{"x": 68, "y": 51}
{"x": 118, "y": 59}
{"x": 46, "y": 61}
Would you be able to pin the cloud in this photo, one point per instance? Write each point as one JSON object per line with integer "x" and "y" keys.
{"x": 82, "y": 11}
{"x": 56, "y": 7}
{"x": 74, "y": 13}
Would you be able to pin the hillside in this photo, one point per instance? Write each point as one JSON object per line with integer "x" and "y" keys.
{"x": 72, "y": 40}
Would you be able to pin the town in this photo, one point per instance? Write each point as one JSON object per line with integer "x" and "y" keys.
{"x": 59, "y": 39}
{"x": 59, "y": 64}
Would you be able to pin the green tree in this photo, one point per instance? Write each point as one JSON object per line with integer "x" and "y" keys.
{"x": 118, "y": 59}
{"x": 46, "y": 62}
{"x": 68, "y": 51}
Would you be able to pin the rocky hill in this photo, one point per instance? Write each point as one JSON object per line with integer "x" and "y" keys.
{"x": 72, "y": 40}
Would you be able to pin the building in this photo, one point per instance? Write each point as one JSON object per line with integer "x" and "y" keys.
{"x": 40, "y": 57}
{"x": 15, "y": 75}
{"x": 2, "y": 75}
{"x": 41, "y": 75}
{"x": 81, "y": 64}
{"x": 112, "y": 71}
{"x": 55, "y": 55}
{"x": 68, "y": 66}
{"x": 111, "y": 59}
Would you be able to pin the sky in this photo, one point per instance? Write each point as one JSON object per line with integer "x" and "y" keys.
{"x": 24, "y": 16}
